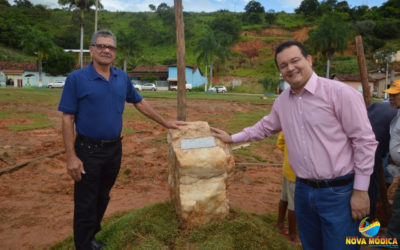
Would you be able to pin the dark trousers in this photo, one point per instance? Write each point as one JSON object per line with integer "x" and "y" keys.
{"x": 394, "y": 222}
{"x": 91, "y": 194}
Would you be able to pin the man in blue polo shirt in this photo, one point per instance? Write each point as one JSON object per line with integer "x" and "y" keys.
{"x": 93, "y": 100}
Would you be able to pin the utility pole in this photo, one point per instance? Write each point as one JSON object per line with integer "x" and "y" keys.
{"x": 363, "y": 71}
{"x": 95, "y": 16}
{"x": 180, "y": 43}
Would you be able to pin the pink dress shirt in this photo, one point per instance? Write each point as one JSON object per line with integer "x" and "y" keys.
{"x": 326, "y": 128}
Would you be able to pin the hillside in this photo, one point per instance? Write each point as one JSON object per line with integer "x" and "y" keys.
{"x": 251, "y": 43}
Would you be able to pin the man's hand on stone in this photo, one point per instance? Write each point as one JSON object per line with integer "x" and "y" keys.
{"x": 359, "y": 203}
{"x": 222, "y": 135}
{"x": 75, "y": 168}
{"x": 171, "y": 124}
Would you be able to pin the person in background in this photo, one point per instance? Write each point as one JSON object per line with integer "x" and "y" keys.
{"x": 393, "y": 229}
{"x": 287, "y": 194}
{"x": 331, "y": 149}
{"x": 380, "y": 114}
{"x": 93, "y": 102}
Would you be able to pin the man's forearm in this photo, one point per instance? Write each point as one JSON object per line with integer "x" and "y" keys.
{"x": 148, "y": 111}
{"x": 68, "y": 134}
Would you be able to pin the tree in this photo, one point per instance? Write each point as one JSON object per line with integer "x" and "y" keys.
{"x": 23, "y": 3}
{"x": 82, "y": 5}
{"x": 308, "y": 7}
{"x": 342, "y": 6}
{"x": 329, "y": 37}
{"x": 40, "y": 44}
{"x": 128, "y": 45}
{"x": 227, "y": 26}
{"x": 152, "y": 7}
{"x": 5, "y": 3}
{"x": 254, "y": 7}
{"x": 59, "y": 62}
{"x": 253, "y": 13}
{"x": 210, "y": 48}
{"x": 270, "y": 16}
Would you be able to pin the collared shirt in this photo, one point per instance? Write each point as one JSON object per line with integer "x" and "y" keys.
{"x": 97, "y": 104}
{"x": 326, "y": 128}
{"x": 394, "y": 144}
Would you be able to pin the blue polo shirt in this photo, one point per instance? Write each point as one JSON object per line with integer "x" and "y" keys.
{"x": 97, "y": 104}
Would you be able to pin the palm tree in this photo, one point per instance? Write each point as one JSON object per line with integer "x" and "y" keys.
{"x": 82, "y": 5}
{"x": 210, "y": 48}
{"x": 38, "y": 43}
{"x": 331, "y": 36}
{"x": 128, "y": 44}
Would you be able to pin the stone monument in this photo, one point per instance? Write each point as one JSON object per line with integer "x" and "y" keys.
{"x": 200, "y": 171}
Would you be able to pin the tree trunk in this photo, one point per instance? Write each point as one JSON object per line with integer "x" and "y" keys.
{"x": 125, "y": 63}
{"x": 40, "y": 72}
{"x": 211, "y": 74}
{"x": 180, "y": 41}
{"x": 81, "y": 45}
{"x": 95, "y": 16}
{"x": 328, "y": 65}
{"x": 206, "y": 83}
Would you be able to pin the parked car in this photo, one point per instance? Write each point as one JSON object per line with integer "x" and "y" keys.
{"x": 149, "y": 86}
{"x": 138, "y": 87}
{"x": 56, "y": 84}
{"x": 218, "y": 89}
{"x": 175, "y": 87}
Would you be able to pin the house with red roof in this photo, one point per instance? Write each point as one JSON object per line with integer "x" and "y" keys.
{"x": 24, "y": 74}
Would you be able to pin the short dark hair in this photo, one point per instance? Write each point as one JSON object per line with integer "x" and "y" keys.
{"x": 102, "y": 33}
{"x": 288, "y": 44}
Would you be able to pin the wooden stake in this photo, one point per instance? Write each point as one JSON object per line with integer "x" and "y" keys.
{"x": 363, "y": 71}
{"x": 180, "y": 42}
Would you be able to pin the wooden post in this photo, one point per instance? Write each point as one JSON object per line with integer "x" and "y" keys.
{"x": 363, "y": 71}
{"x": 180, "y": 42}
{"x": 368, "y": 100}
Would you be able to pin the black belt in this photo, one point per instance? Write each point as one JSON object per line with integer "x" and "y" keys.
{"x": 327, "y": 183}
{"x": 97, "y": 141}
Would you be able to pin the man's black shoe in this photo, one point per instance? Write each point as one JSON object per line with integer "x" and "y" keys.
{"x": 96, "y": 245}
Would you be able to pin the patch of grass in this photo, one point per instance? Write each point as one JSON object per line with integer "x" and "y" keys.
{"x": 39, "y": 120}
{"x": 156, "y": 227}
{"x": 37, "y": 96}
{"x": 245, "y": 119}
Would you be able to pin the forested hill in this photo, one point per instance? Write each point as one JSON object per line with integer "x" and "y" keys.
{"x": 242, "y": 43}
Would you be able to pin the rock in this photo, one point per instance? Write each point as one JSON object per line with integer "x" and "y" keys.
{"x": 199, "y": 177}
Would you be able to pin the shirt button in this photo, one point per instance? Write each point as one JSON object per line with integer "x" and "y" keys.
{"x": 305, "y": 157}
{"x": 300, "y": 97}
{"x": 302, "y": 127}
{"x": 301, "y": 112}
{"x": 304, "y": 142}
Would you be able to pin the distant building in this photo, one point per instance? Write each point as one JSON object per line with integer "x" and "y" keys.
{"x": 86, "y": 56}
{"x": 376, "y": 81}
{"x": 167, "y": 75}
{"x": 24, "y": 74}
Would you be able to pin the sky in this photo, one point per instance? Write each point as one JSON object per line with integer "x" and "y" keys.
{"x": 204, "y": 5}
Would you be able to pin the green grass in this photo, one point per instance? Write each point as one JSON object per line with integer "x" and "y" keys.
{"x": 156, "y": 227}
{"x": 35, "y": 96}
{"x": 39, "y": 120}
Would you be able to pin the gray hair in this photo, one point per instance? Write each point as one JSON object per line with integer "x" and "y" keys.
{"x": 102, "y": 33}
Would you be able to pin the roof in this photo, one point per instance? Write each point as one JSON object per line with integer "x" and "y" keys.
{"x": 13, "y": 71}
{"x": 150, "y": 69}
{"x": 24, "y": 66}
{"x": 351, "y": 78}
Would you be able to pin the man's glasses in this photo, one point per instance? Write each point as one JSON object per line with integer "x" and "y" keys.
{"x": 103, "y": 47}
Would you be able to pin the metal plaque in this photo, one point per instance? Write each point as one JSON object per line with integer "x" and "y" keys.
{"x": 205, "y": 142}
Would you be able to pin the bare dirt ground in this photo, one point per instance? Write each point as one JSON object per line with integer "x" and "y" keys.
{"x": 36, "y": 201}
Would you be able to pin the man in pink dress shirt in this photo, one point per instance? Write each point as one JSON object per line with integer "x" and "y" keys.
{"x": 331, "y": 149}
